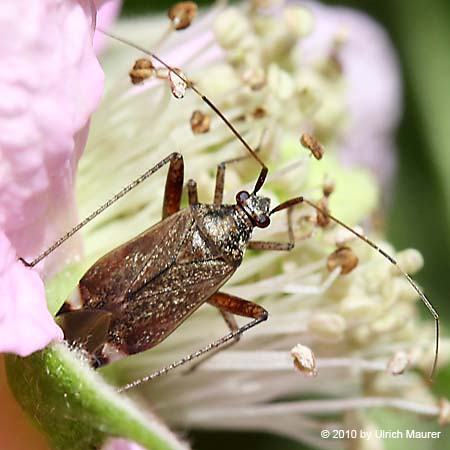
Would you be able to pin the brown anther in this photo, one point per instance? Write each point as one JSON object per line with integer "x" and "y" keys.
{"x": 335, "y": 62}
{"x": 254, "y": 78}
{"x": 322, "y": 219}
{"x": 143, "y": 63}
{"x": 259, "y": 112}
{"x": 310, "y": 142}
{"x": 200, "y": 122}
{"x": 182, "y": 14}
{"x": 143, "y": 68}
{"x": 342, "y": 257}
{"x": 328, "y": 187}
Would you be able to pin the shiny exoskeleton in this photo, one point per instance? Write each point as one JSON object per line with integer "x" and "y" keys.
{"x": 139, "y": 293}
{"x": 136, "y": 295}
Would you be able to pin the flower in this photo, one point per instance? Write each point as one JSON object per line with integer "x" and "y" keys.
{"x": 26, "y": 325}
{"x": 50, "y": 88}
{"x": 354, "y": 323}
{"x": 107, "y": 12}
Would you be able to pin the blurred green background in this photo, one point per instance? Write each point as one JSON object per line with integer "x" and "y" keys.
{"x": 420, "y": 213}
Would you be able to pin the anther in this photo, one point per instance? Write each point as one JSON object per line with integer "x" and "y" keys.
{"x": 344, "y": 258}
{"x": 311, "y": 143}
{"x": 200, "y": 122}
{"x": 143, "y": 68}
{"x": 182, "y": 14}
{"x": 304, "y": 360}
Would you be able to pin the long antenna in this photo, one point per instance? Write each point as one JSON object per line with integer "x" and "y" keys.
{"x": 296, "y": 200}
{"x": 422, "y": 296}
{"x": 195, "y": 89}
{"x": 259, "y": 183}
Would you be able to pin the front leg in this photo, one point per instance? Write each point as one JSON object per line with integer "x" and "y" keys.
{"x": 192, "y": 192}
{"x": 220, "y": 175}
{"x": 174, "y": 186}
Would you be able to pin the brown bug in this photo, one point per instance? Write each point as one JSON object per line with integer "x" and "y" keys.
{"x": 139, "y": 293}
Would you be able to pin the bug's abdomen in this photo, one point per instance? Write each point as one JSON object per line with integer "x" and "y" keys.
{"x": 157, "y": 309}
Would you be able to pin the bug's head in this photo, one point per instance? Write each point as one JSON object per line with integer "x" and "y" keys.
{"x": 256, "y": 207}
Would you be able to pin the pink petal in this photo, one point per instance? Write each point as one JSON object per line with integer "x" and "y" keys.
{"x": 106, "y": 15}
{"x": 50, "y": 85}
{"x": 25, "y": 323}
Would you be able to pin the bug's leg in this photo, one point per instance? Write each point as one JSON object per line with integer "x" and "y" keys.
{"x": 148, "y": 173}
{"x": 283, "y": 246}
{"x": 192, "y": 192}
{"x": 220, "y": 179}
{"x": 229, "y": 304}
{"x": 220, "y": 182}
{"x": 238, "y": 306}
{"x": 232, "y": 325}
{"x": 174, "y": 186}
{"x": 220, "y": 175}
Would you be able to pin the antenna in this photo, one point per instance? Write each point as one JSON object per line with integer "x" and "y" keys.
{"x": 195, "y": 89}
{"x": 260, "y": 181}
{"x": 414, "y": 285}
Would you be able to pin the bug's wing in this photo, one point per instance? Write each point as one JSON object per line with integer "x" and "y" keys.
{"x": 154, "y": 306}
{"x": 156, "y": 310}
{"x": 149, "y": 285}
{"x": 106, "y": 283}
{"x": 87, "y": 328}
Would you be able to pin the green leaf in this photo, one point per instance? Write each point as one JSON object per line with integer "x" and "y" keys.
{"x": 69, "y": 401}
{"x": 75, "y": 408}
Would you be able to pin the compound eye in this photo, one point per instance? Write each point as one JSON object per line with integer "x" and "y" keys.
{"x": 242, "y": 196}
{"x": 262, "y": 221}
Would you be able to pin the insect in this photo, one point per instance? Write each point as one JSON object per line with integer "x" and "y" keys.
{"x": 135, "y": 296}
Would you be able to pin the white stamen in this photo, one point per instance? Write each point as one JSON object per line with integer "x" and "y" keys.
{"x": 316, "y": 289}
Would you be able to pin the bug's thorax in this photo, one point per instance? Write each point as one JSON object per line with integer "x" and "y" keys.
{"x": 229, "y": 227}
